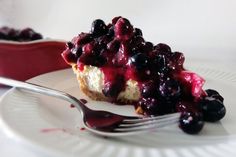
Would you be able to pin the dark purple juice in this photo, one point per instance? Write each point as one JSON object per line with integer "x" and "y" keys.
{"x": 100, "y": 120}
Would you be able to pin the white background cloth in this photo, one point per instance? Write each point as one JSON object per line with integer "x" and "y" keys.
{"x": 203, "y": 29}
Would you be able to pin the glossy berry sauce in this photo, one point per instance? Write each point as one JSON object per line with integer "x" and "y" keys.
{"x": 100, "y": 120}
{"x": 122, "y": 53}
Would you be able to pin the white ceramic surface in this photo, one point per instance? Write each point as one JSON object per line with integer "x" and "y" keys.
{"x": 51, "y": 126}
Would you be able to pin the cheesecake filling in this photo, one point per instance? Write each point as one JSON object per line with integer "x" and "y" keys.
{"x": 95, "y": 80}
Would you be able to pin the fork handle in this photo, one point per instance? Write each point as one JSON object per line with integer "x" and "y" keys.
{"x": 43, "y": 90}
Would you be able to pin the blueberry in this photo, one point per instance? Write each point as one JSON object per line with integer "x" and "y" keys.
{"x": 149, "y": 89}
{"x": 36, "y": 36}
{"x": 4, "y": 32}
{"x": 177, "y": 61}
{"x": 213, "y": 93}
{"x": 150, "y": 106}
{"x": 113, "y": 46}
{"x": 191, "y": 122}
{"x": 213, "y": 110}
{"x": 2, "y": 35}
{"x": 160, "y": 64}
{"x": 111, "y": 32}
{"x": 147, "y": 47}
{"x": 94, "y": 47}
{"x": 26, "y": 34}
{"x": 138, "y": 32}
{"x": 69, "y": 57}
{"x": 136, "y": 43}
{"x": 13, "y": 34}
{"x": 91, "y": 59}
{"x": 77, "y": 51}
{"x": 100, "y": 46}
{"x": 103, "y": 40}
{"x": 98, "y": 28}
{"x": 163, "y": 47}
{"x": 140, "y": 61}
{"x": 123, "y": 29}
{"x": 99, "y": 61}
{"x": 83, "y": 38}
{"x": 8, "y": 33}
{"x": 169, "y": 90}
{"x": 69, "y": 45}
{"x": 187, "y": 106}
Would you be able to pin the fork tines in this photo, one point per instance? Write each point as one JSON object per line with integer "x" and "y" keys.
{"x": 148, "y": 123}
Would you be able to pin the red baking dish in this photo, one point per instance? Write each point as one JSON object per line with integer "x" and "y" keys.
{"x": 24, "y": 60}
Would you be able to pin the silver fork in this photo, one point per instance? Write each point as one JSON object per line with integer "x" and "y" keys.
{"x": 102, "y": 122}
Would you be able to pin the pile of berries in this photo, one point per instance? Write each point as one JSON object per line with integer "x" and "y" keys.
{"x": 27, "y": 34}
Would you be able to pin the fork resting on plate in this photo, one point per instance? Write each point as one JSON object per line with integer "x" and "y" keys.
{"x": 101, "y": 122}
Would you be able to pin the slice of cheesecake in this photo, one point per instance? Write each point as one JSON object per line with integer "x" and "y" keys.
{"x": 114, "y": 63}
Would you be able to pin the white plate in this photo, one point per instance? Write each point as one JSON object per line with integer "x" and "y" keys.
{"x": 52, "y": 126}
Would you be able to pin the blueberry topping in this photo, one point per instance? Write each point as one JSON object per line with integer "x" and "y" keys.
{"x": 147, "y": 47}
{"x": 191, "y": 122}
{"x": 136, "y": 43}
{"x": 149, "y": 89}
{"x": 163, "y": 47}
{"x": 160, "y": 64}
{"x": 69, "y": 57}
{"x": 113, "y": 46}
{"x": 13, "y": 34}
{"x": 213, "y": 110}
{"x": 36, "y": 36}
{"x": 2, "y": 35}
{"x": 213, "y": 93}
{"x": 115, "y": 19}
{"x": 123, "y": 29}
{"x": 77, "y": 51}
{"x": 150, "y": 106}
{"x": 111, "y": 32}
{"x": 177, "y": 61}
{"x": 138, "y": 32}
{"x": 139, "y": 60}
{"x": 169, "y": 89}
{"x": 89, "y": 48}
{"x": 91, "y": 59}
{"x": 26, "y": 34}
{"x": 84, "y": 38}
{"x": 69, "y": 45}
{"x": 111, "y": 89}
{"x": 98, "y": 28}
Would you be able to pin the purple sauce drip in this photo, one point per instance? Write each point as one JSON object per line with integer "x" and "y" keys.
{"x": 100, "y": 120}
